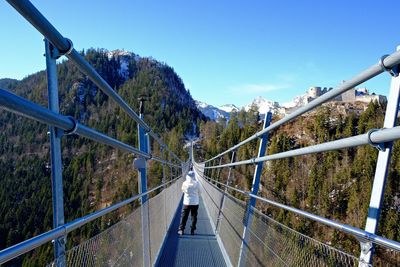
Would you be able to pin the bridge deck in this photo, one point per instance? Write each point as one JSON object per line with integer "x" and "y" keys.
{"x": 201, "y": 249}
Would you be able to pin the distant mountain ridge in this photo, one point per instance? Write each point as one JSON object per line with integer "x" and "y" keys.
{"x": 359, "y": 95}
{"x": 223, "y": 112}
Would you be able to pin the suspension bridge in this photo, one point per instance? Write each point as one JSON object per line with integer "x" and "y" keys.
{"x": 231, "y": 230}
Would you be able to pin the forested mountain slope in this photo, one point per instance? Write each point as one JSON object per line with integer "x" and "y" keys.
{"x": 94, "y": 175}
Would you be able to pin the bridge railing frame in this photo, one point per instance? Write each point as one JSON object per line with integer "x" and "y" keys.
{"x": 381, "y": 138}
{"x": 55, "y": 47}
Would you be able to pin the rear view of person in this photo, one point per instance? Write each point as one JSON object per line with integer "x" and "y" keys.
{"x": 191, "y": 190}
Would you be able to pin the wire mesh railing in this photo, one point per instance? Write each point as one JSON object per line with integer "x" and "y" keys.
{"x": 269, "y": 242}
{"x": 110, "y": 246}
{"x": 120, "y": 245}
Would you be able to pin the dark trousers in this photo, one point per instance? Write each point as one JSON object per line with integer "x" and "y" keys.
{"x": 185, "y": 214}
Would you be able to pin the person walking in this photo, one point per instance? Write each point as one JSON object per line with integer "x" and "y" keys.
{"x": 191, "y": 190}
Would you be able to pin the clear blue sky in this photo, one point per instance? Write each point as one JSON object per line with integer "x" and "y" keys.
{"x": 225, "y": 51}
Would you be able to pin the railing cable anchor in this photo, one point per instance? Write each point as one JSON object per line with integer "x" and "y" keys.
{"x": 55, "y": 53}
{"x": 379, "y": 146}
{"x": 74, "y": 129}
{"x": 393, "y": 71}
{"x": 69, "y": 50}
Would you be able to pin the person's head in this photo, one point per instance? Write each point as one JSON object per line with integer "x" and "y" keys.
{"x": 190, "y": 175}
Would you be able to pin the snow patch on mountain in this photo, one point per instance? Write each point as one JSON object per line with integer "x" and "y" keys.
{"x": 120, "y": 53}
{"x": 124, "y": 57}
{"x": 261, "y": 104}
{"x": 229, "y": 108}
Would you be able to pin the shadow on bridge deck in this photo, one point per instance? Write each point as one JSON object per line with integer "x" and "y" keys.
{"x": 201, "y": 249}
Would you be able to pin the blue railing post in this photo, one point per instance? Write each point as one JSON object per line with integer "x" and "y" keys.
{"x": 382, "y": 166}
{"x": 163, "y": 168}
{"x": 55, "y": 152}
{"x": 221, "y": 205}
{"x": 142, "y": 185}
{"x": 254, "y": 189}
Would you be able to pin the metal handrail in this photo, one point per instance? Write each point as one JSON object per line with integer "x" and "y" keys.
{"x": 30, "y": 244}
{"x": 65, "y": 46}
{"x": 386, "y": 63}
{"x": 356, "y": 232}
{"x": 28, "y": 109}
{"x": 374, "y": 137}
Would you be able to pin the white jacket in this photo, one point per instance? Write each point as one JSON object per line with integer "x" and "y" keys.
{"x": 191, "y": 190}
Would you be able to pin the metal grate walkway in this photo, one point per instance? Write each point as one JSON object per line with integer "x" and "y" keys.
{"x": 201, "y": 249}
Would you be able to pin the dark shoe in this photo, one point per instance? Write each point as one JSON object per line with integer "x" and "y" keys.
{"x": 192, "y": 232}
{"x": 180, "y": 232}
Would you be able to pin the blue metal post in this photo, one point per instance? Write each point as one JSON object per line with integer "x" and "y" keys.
{"x": 55, "y": 153}
{"x": 254, "y": 190}
{"x": 163, "y": 170}
{"x": 381, "y": 171}
{"x": 142, "y": 185}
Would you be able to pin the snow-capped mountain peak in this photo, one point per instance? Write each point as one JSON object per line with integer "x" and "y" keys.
{"x": 212, "y": 112}
{"x": 229, "y": 108}
{"x": 119, "y": 52}
{"x": 223, "y": 112}
{"x": 263, "y": 105}
{"x": 124, "y": 57}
